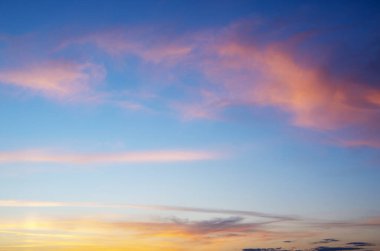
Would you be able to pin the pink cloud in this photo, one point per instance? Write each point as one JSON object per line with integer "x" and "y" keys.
{"x": 239, "y": 72}
{"x": 55, "y": 79}
{"x": 36, "y": 156}
{"x": 235, "y": 70}
{"x": 205, "y": 108}
{"x": 374, "y": 143}
{"x": 138, "y": 41}
{"x": 270, "y": 76}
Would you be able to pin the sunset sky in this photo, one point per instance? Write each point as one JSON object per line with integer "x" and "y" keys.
{"x": 189, "y": 125}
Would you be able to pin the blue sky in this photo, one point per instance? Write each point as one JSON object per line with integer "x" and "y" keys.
{"x": 216, "y": 125}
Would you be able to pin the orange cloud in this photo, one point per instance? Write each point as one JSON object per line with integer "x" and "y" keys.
{"x": 55, "y": 79}
{"x": 94, "y": 232}
{"x": 164, "y": 234}
{"x": 37, "y": 156}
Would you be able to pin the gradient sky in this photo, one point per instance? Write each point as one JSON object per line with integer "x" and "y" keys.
{"x": 189, "y": 125}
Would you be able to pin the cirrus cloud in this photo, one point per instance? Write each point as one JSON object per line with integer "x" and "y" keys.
{"x": 237, "y": 65}
{"x": 55, "y": 79}
{"x": 40, "y": 156}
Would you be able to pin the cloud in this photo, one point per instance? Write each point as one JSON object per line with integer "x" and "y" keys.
{"x": 213, "y": 228}
{"x": 315, "y": 249}
{"x": 235, "y": 212}
{"x": 360, "y": 244}
{"x": 246, "y": 70}
{"x": 324, "y": 241}
{"x": 143, "y": 42}
{"x": 236, "y": 230}
{"x": 264, "y": 249}
{"x": 244, "y": 64}
{"x": 21, "y": 203}
{"x": 373, "y": 143}
{"x": 335, "y": 248}
{"x": 367, "y": 223}
{"x": 271, "y": 75}
{"x": 39, "y": 156}
{"x": 55, "y": 79}
{"x": 211, "y": 233}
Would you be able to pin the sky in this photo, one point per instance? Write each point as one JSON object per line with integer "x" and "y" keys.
{"x": 189, "y": 125}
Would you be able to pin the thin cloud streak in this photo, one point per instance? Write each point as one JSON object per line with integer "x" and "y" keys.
{"x": 140, "y": 41}
{"x": 38, "y": 156}
{"x": 213, "y": 228}
{"x": 373, "y": 143}
{"x": 21, "y": 203}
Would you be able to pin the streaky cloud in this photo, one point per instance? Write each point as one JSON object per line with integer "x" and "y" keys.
{"x": 39, "y": 156}
{"x": 239, "y": 65}
{"x": 324, "y": 241}
{"x": 366, "y": 223}
{"x": 360, "y": 244}
{"x": 335, "y": 248}
{"x": 59, "y": 79}
{"x": 208, "y": 233}
{"x": 21, "y": 203}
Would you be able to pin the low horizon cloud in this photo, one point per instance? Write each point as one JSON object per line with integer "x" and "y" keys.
{"x": 21, "y": 203}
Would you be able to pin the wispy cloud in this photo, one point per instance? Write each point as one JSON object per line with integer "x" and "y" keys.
{"x": 212, "y": 233}
{"x": 56, "y": 79}
{"x": 252, "y": 74}
{"x": 374, "y": 142}
{"x": 238, "y": 71}
{"x": 140, "y": 41}
{"x": 325, "y": 241}
{"x": 274, "y": 74}
{"x": 360, "y": 244}
{"x": 237, "y": 229}
{"x": 236, "y": 65}
{"x": 373, "y": 222}
{"x": 21, "y": 203}
{"x": 213, "y": 228}
{"x": 335, "y": 248}
{"x": 40, "y": 156}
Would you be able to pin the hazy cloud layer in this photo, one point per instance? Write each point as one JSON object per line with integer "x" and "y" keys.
{"x": 93, "y": 232}
{"x": 209, "y": 232}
